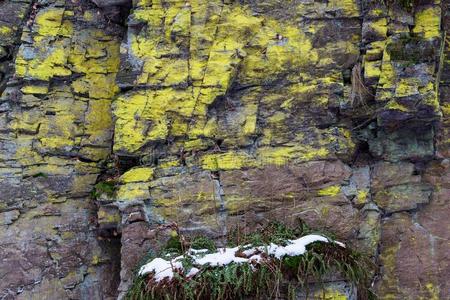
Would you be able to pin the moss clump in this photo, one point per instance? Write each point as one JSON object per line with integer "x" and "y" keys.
{"x": 270, "y": 279}
{"x": 105, "y": 187}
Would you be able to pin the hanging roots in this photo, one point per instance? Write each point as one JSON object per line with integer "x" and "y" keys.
{"x": 360, "y": 92}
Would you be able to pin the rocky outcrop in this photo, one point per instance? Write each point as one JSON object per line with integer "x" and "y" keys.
{"x": 56, "y": 128}
{"x": 214, "y": 114}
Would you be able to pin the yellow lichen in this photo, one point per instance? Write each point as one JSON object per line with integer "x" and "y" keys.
{"x": 428, "y": 22}
{"x": 168, "y": 164}
{"x": 362, "y": 196}
{"x": 349, "y": 7}
{"x": 48, "y": 21}
{"x": 330, "y": 294}
{"x": 396, "y": 106}
{"x": 227, "y": 161}
{"x": 375, "y": 50}
{"x": 433, "y": 291}
{"x": 380, "y": 27}
{"x": 372, "y": 69}
{"x": 5, "y": 30}
{"x": 133, "y": 191}
{"x": 96, "y": 85}
{"x": 105, "y": 217}
{"x": 333, "y": 190}
{"x": 47, "y": 65}
{"x": 406, "y": 87}
{"x": 141, "y": 174}
{"x": 445, "y": 107}
{"x": 35, "y": 89}
{"x": 312, "y": 153}
{"x": 276, "y": 156}
{"x": 88, "y": 15}
{"x": 95, "y": 260}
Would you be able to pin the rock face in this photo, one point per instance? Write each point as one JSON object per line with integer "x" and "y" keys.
{"x": 214, "y": 114}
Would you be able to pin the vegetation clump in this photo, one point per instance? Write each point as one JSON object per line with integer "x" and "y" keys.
{"x": 268, "y": 277}
{"x": 104, "y": 187}
{"x": 40, "y": 174}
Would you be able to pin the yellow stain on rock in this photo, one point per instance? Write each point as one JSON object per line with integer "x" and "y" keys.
{"x": 49, "y": 21}
{"x": 330, "y": 294}
{"x": 427, "y": 22}
{"x": 333, "y": 190}
{"x": 232, "y": 160}
{"x": 142, "y": 174}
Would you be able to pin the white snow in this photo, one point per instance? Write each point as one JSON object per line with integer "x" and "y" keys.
{"x": 339, "y": 244}
{"x": 256, "y": 258}
{"x": 161, "y": 267}
{"x": 193, "y": 272}
{"x": 224, "y": 256}
{"x": 298, "y": 246}
{"x": 197, "y": 251}
{"x": 250, "y": 252}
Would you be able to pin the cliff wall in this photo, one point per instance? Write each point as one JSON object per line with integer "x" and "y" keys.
{"x": 119, "y": 116}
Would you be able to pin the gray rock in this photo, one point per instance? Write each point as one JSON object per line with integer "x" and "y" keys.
{"x": 106, "y": 3}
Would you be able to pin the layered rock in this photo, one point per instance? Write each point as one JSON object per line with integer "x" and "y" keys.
{"x": 56, "y": 127}
{"x": 214, "y": 114}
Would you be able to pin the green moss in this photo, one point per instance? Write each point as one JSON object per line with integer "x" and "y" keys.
{"x": 106, "y": 187}
{"x": 40, "y": 174}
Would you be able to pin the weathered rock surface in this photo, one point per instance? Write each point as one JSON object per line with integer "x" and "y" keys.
{"x": 213, "y": 114}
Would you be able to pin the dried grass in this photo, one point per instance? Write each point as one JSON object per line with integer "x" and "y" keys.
{"x": 360, "y": 93}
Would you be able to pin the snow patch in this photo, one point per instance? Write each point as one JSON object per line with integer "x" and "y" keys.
{"x": 192, "y": 272}
{"x": 222, "y": 257}
{"x": 165, "y": 269}
{"x": 161, "y": 267}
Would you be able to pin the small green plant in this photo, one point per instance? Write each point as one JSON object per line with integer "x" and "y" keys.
{"x": 40, "y": 174}
{"x": 274, "y": 232}
{"x": 268, "y": 279}
{"x": 201, "y": 242}
{"x": 104, "y": 187}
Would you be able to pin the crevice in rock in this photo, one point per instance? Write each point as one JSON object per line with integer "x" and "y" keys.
{"x": 222, "y": 213}
{"x": 115, "y": 11}
{"x": 111, "y": 247}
